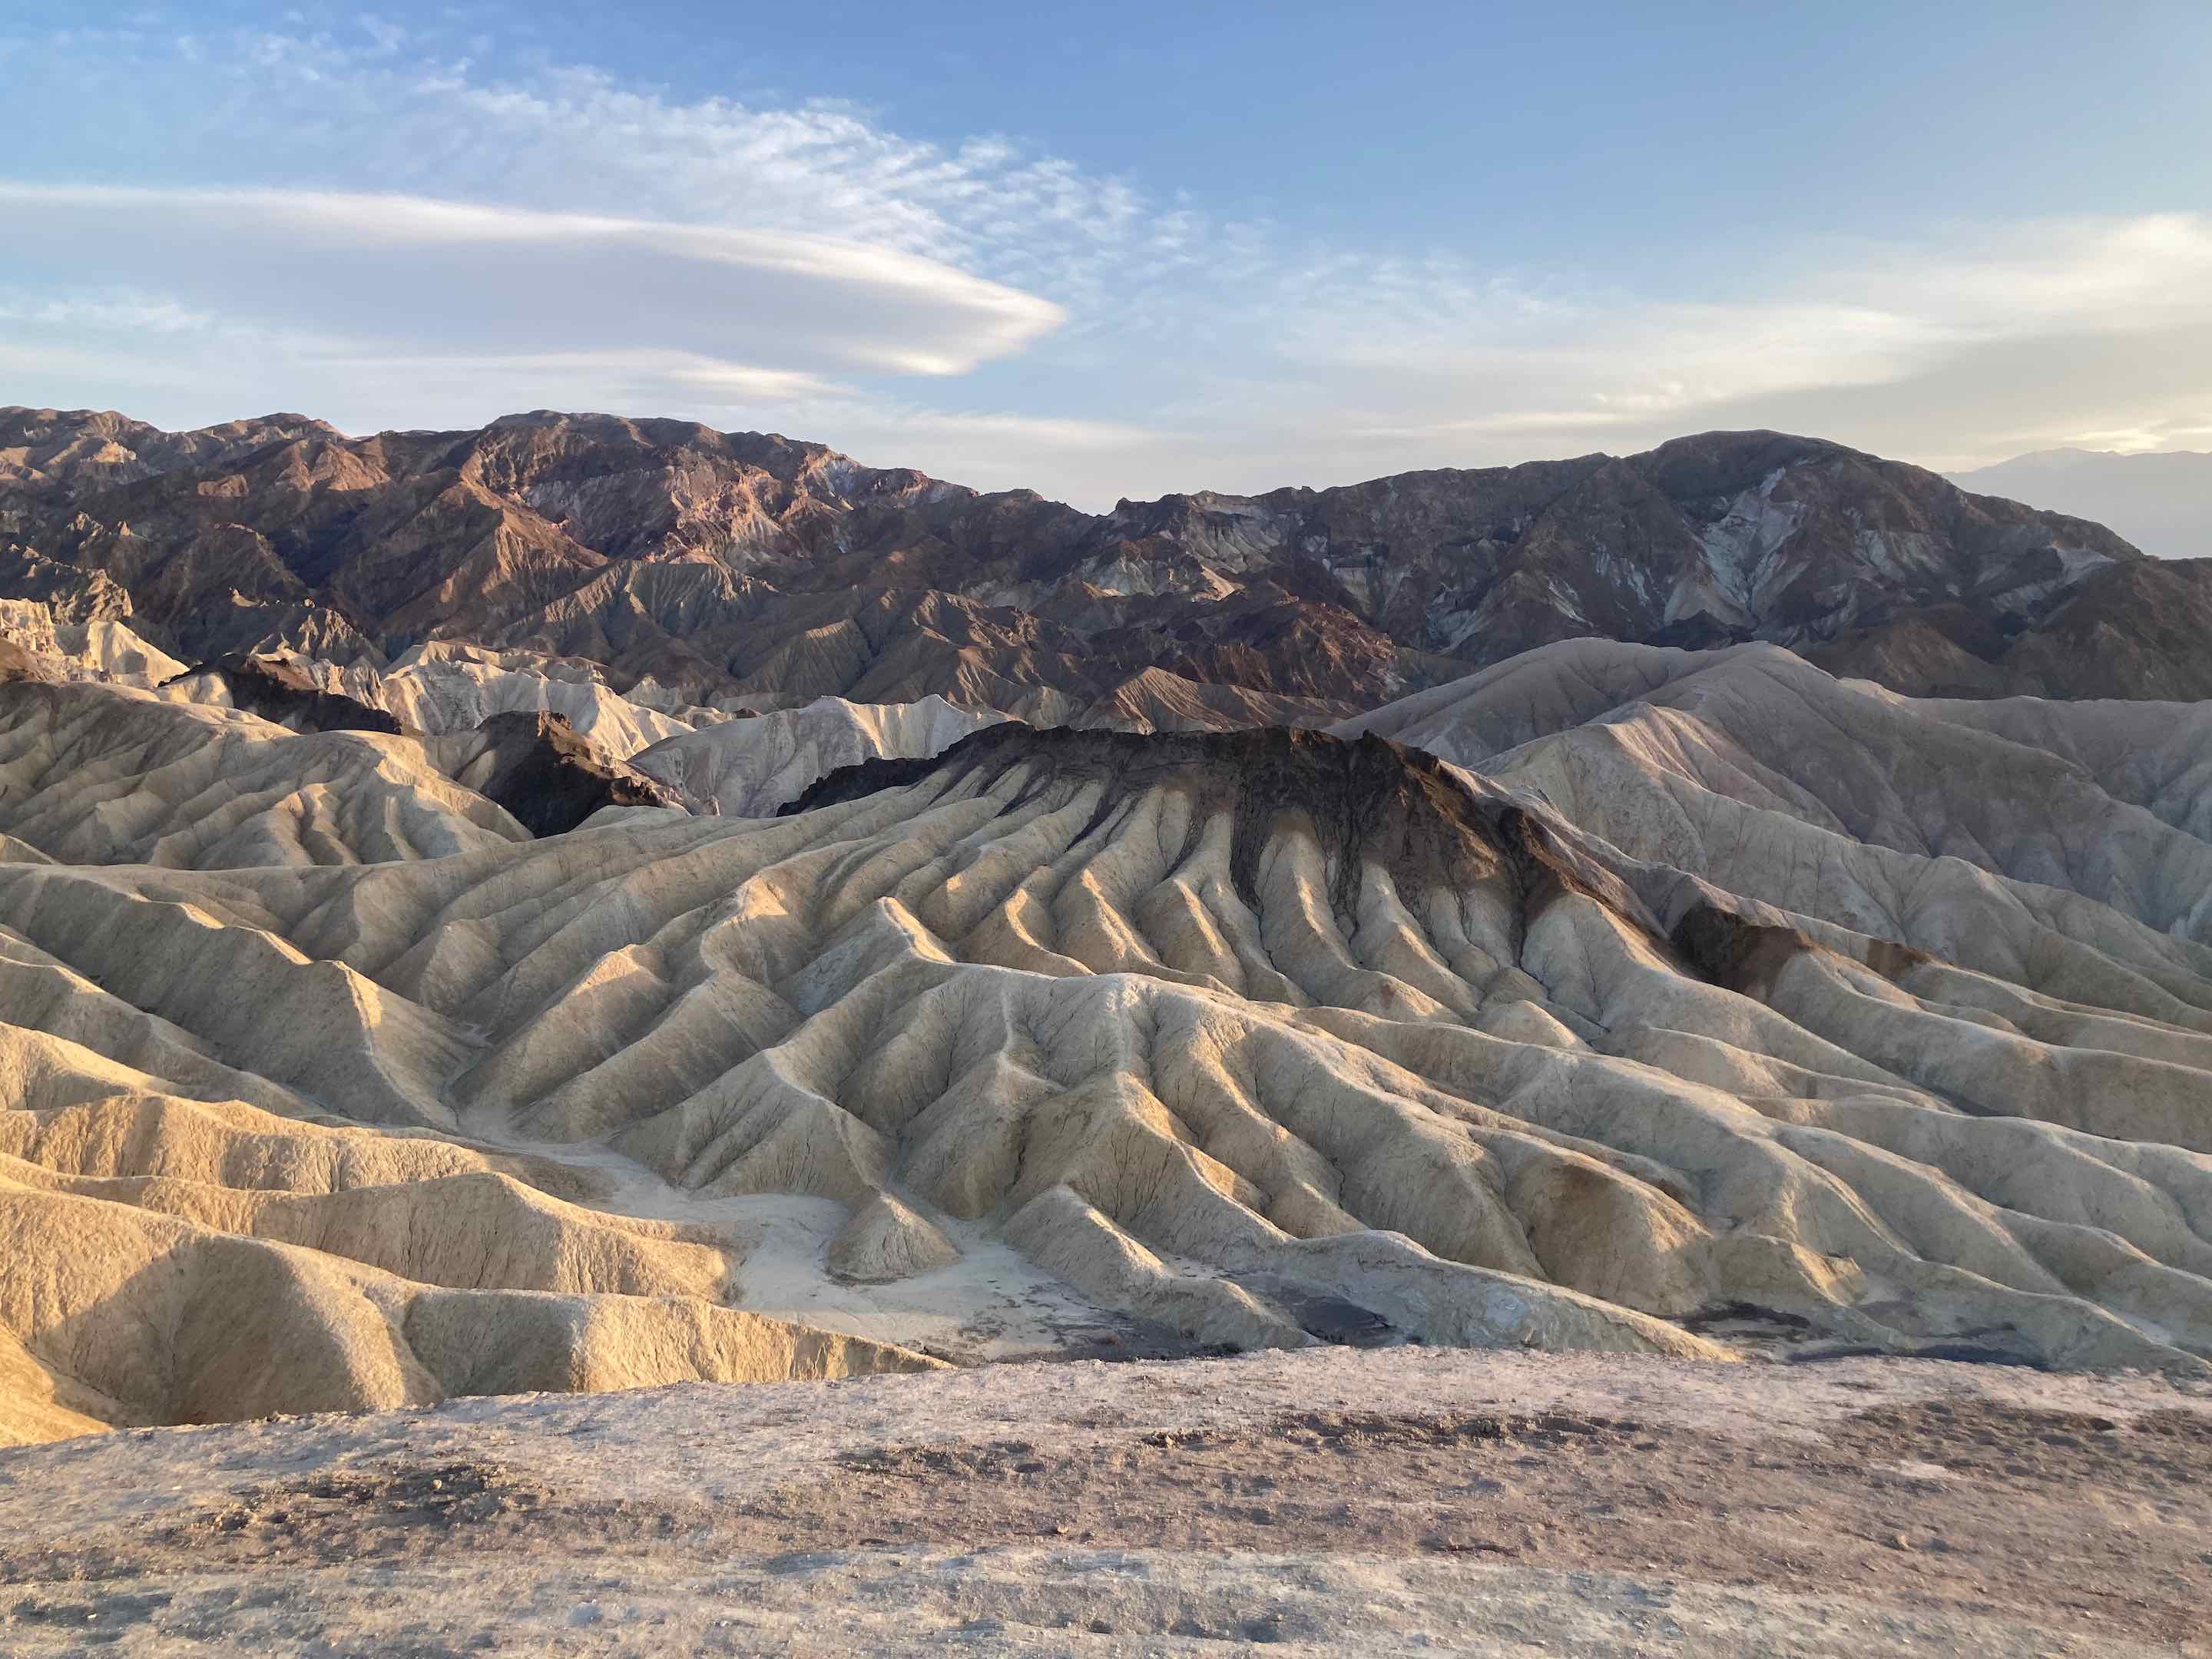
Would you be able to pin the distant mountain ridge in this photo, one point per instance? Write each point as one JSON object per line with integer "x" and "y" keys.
{"x": 753, "y": 571}
{"x": 2162, "y": 502}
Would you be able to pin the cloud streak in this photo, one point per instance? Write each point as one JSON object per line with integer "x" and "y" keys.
{"x": 494, "y": 279}
{"x": 553, "y": 237}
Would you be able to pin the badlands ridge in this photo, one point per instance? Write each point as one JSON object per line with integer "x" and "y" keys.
{"x": 1616, "y": 997}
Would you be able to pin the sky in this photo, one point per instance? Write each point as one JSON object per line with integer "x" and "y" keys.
{"x": 1117, "y": 250}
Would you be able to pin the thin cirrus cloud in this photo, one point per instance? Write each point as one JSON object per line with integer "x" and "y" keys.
{"x": 561, "y": 138}
{"x": 973, "y": 309}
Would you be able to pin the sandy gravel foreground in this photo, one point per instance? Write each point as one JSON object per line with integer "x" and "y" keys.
{"x": 1401, "y": 1500}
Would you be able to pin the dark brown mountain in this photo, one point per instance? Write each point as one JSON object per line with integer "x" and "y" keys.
{"x": 281, "y": 692}
{"x": 2141, "y": 629}
{"x": 744, "y": 564}
{"x": 543, "y": 772}
{"x": 547, "y": 775}
{"x": 92, "y": 448}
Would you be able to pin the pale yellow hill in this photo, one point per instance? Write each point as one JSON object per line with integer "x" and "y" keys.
{"x": 1232, "y": 1037}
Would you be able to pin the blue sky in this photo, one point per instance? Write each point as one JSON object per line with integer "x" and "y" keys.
{"x": 1109, "y": 251}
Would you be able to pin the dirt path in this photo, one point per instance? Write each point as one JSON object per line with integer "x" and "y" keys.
{"x": 1405, "y": 1498}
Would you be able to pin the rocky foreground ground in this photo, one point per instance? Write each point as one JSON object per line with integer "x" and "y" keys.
{"x": 1379, "y": 1502}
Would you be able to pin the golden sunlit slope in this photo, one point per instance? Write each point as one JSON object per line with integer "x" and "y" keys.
{"x": 1211, "y": 1029}
{"x": 99, "y": 774}
{"x": 751, "y": 768}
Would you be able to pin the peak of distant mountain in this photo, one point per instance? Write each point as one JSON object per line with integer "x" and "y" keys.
{"x": 88, "y": 446}
{"x": 752, "y": 570}
{"x": 2162, "y": 502}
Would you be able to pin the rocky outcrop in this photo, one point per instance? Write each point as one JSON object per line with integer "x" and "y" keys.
{"x": 886, "y": 1240}
{"x": 536, "y": 767}
{"x": 17, "y": 664}
{"x": 279, "y": 691}
{"x": 752, "y": 768}
{"x": 101, "y": 649}
{"x": 445, "y": 686}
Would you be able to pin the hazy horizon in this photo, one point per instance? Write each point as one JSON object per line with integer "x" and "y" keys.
{"x": 2160, "y": 499}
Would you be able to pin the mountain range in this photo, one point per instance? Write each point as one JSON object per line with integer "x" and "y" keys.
{"x": 746, "y": 572}
{"x": 585, "y": 903}
{"x": 2162, "y": 502}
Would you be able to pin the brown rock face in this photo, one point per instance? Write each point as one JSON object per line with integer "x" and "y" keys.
{"x": 2134, "y": 630}
{"x": 279, "y": 692}
{"x": 545, "y": 775}
{"x": 744, "y": 564}
{"x": 1363, "y": 799}
{"x": 95, "y": 447}
{"x": 17, "y": 664}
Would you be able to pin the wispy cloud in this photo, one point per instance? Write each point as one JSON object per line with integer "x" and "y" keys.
{"x": 487, "y": 279}
{"x": 1921, "y": 346}
{"x": 552, "y": 235}
{"x": 121, "y": 309}
{"x": 540, "y": 377}
{"x": 569, "y": 138}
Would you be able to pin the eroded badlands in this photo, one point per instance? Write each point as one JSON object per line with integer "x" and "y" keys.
{"x": 1616, "y": 998}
